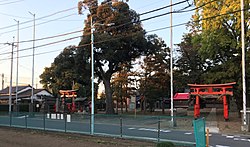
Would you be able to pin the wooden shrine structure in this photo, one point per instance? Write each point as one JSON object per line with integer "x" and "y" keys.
{"x": 208, "y": 91}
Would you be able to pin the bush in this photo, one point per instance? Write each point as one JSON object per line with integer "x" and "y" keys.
{"x": 165, "y": 144}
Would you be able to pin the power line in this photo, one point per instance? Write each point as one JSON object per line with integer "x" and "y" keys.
{"x": 155, "y": 2}
{"x": 51, "y": 43}
{"x": 11, "y": 2}
{"x": 163, "y": 7}
{"x": 5, "y": 0}
{"x": 84, "y": 10}
{"x": 110, "y": 27}
{"x": 4, "y": 46}
{"x": 13, "y": 15}
{"x": 132, "y": 34}
{"x": 81, "y": 30}
{"x": 50, "y": 37}
{"x": 79, "y": 36}
{"x": 39, "y": 23}
{"x": 55, "y": 13}
{"x": 142, "y": 20}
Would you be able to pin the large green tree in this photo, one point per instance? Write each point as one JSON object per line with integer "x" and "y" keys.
{"x": 189, "y": 66}
{"x": 63, "y": 73}
{"x": 114, "y": 45}
{"x": 219, "y": 25}
{"x": 155, "y": 82}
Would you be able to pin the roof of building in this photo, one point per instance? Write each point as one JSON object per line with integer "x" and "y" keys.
{"x": 181, "y": 96}
{"x": 19, "y": 88}
{"x": 4, "y": 94}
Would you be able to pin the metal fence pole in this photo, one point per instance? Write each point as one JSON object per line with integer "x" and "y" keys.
{"x": 26, "y": 121}
{"x": 10, "y": 118}
{"x": 121, "y": 126}
{"x": 90, "y": 123}
{"x": 44, "y": 120}
{"x": 159, "y": 129}
{"x": 65, "y": 122}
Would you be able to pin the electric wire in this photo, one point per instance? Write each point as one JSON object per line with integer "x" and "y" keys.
{"x": 85, "y": 9}
{"x": 184, "y": 1}
{"x": 126, "y": 23}
{"x": 147, "y": 31}
{"x": 115, "y": 38}
{"x": 1, "y": 4}
{"x": 38, "y": 24}
{"x": 14, "y": 15}
{"x": 55, "y": 13}
{"x": 47, "y": 44}
{"x": 70, "y": 33}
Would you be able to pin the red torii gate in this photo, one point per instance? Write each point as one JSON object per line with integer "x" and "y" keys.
{"x": 220, "y": 90}
{"x": 69, "y": 94}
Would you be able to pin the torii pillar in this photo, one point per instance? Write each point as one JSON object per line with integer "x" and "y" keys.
{"x": 220, "y": 90}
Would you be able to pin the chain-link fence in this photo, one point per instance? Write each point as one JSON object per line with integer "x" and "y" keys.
{"x": 155, "y": 128}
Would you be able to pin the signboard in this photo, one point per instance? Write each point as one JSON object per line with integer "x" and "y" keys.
{"x": 133, "y": 99}
{"x": 132, "y": 105}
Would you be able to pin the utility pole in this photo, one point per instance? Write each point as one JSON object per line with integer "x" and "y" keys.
{"x": 11, "y": 72}
{"x": 171, "y": 63}
{"x": 92, "y": 25}
{"x": 244, "y": 127}
{"x": 17, "y": 59}
{"x": 92, "y": 76}
{"x": 33, "y": 62}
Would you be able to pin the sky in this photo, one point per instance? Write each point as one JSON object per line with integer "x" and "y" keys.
{"x": 56, "y": 17}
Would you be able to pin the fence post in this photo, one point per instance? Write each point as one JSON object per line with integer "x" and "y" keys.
{"x": 44, "y": 120}
{"x": 65, "y": 122}
{"x": 121, "y": 126}
{"x": 159, "y": 129}
{"x": 10, "y": 118}
{"x": 90, "y": 115}
{"x": 207, "y": 138}
{"x": 26, "y": 122}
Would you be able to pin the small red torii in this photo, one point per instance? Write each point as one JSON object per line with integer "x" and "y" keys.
{"x": 69, "y": 94}
{"x": 220, "y": 90}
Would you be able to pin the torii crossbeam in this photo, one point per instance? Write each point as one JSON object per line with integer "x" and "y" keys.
{"x": 69, "y": 94}
{"x": 220, "y": 90}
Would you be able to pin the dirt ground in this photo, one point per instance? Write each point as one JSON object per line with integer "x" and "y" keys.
{"x": 15, "y": 137}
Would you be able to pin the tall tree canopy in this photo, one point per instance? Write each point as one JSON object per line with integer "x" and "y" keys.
{"x": 219, "y": 25}
{"x": 189, "y": 66}
{"x": 113, "y": 45}
{"x": 155, "y": 82}
{"x": 64, "y": 74}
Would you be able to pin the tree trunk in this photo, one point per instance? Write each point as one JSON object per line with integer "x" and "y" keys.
{"x": 126, "y": 105}
{"x": 109, "y": 100}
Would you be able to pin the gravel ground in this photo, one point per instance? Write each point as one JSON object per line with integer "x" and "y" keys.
{"x": 15, "y": 137}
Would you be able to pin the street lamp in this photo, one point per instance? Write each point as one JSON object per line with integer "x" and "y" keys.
{"x": 33, "y": 61}
{"x": 92, "y": 71}
{"x": 171, "y": 65}
{"x": 11, "y": 71}
{"x": 17, "y": 59}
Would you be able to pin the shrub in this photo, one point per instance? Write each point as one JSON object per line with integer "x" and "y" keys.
{"x": 165, "y": 144}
